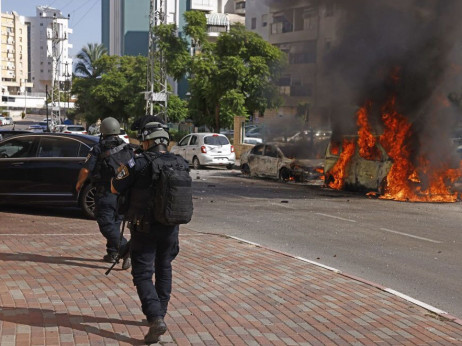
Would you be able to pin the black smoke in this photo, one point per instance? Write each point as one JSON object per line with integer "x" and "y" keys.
{"x": 406, "y": 48}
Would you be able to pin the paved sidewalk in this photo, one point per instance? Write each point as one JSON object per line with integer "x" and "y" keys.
{"x": 53, "y": 291}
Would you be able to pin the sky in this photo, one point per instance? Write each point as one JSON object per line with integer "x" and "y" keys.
{"x": 85, "y": 20}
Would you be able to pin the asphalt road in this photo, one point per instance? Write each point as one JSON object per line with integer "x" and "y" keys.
{"x": 413, "y": 248}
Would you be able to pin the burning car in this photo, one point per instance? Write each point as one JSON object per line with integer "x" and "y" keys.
{"x": 347, "y": 167}
{"x": 284, "y": 162}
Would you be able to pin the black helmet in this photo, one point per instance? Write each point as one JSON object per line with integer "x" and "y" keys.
{"x": 109, "y": 126}
{"x": 156, "y": 132}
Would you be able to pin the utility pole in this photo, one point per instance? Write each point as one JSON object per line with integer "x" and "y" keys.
{"x": 57, "y": 36}
{"x": 156, "y": 82}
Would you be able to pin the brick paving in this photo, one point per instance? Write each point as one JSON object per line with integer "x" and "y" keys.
{"x": 53, "y": 291}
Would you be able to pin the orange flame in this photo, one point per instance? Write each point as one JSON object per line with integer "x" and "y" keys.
{"x": 366, "y": 140}
{"x": 405, "y": 181}
{"x": 338, "y": 172}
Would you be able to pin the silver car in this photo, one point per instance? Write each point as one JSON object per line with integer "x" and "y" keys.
{"x": 206, "y": 149}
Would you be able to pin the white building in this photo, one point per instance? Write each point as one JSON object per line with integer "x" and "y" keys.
{"x": 49, "y": 48}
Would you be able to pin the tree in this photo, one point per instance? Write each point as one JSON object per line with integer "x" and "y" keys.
{"x": 87, "y": 58}
{"x": 234, "y": 76}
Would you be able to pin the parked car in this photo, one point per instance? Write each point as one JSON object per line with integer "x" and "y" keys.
{"x": 75, "y": 129}
{"x": 42, "y": 168}
{"x": 35, "y": 128}
{"x": 4, "y": 134}
{"x": 360, "y": 173}
{"x": 6, "y": 120}
{"x": 284, "y": 162}
{"x": 206, "y": 149}
{"x": 2, "y": 121}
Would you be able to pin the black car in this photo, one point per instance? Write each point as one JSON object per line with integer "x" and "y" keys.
{"x": 4, "y": 134}
{"x": 42, "y": 168}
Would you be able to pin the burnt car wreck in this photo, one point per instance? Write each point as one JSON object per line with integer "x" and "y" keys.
{"x": 280, "y": 161}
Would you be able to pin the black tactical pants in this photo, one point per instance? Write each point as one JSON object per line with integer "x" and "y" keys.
{"x": 152, "y": 253}
{"x": 108, "y": 219}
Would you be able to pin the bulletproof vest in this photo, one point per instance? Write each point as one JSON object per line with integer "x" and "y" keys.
{"x": 102, "y": 174}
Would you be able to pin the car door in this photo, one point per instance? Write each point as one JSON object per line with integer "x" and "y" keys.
{"x": 269, "y": 162}
{"x": 56, "y": 167}
{"x": 255, "y": 158}
{"x": 181, "y": 148}
{"x": 192, "y": 148}
{"x": 15, "y": 175}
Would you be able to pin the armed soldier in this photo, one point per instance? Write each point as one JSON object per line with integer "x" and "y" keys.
{"x": 154, "y": 239}
{"x": 105, "y": 202}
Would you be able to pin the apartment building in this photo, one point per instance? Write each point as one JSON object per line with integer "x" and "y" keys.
{"x": 14, "y": 55}
{"x": 305, "y": 30}
{"x": 49, "y": 48}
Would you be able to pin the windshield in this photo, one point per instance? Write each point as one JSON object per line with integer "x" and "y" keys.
{"x": 216, "y": 140}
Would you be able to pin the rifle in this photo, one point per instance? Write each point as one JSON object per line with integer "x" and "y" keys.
{"x": 119, "y": 254}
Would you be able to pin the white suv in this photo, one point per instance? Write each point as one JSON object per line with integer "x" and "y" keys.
{"x": 206, "y": 149}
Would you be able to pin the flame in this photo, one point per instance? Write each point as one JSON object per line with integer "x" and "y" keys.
{"x": 406, "y": 181}
{"x": 366, "y": 140}
{"x": 338, "y": 172}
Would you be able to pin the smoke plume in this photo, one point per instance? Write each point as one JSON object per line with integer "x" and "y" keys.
{"x": 408, "y": 48}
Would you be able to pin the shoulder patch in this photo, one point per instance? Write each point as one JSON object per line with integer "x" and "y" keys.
{"x": 122, "y": 172}
{"x": 131, "y": 162}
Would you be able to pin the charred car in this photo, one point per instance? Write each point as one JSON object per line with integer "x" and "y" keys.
{"x": 348, "y": 167}
{"x": 284, "y": 162}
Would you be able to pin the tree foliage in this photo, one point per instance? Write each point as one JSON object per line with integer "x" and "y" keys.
{"x": 86, "y": 59}
{"x": 234, "y": 76}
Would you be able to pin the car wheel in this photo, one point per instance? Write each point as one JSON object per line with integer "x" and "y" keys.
{"x": 87, "y": 200}
{"x": 284, "y": 174}
{"x": 196, "y": 163}
{"x": 245, "y": 169}
{"x": 230, "y": 166}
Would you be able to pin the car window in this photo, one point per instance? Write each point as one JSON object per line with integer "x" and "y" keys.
{"x": 76, "y": 128}
{"x": 83, "y": 150}
{"x": 58, "y": 147}
{"x": 258, "y": 150}
{"x": 271, "y": 151}
{"x": 17, "y": 147}
{"x": 193, "y": 140}
{"x": 216, "y": 140}
{"x": 185, "y": 141}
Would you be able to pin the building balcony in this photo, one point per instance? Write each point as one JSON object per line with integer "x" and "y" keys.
{"x": 204, "y": 5}
{"x": 239, "y": 6}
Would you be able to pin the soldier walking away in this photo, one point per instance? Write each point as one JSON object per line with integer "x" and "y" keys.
{"x": 100, "y": 174}
{"x": 154, "y": 243}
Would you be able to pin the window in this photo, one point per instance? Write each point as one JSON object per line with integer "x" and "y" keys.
{"x": 58, "y": 147}
{"x": 330, "y": 8}
{"x": 20, "y": 147}
{"x": 271, "y": 151}
{"x": 185, "y": 141}
{"x": 258, "y": 150}
{"x": 253, "y": 24}
{"x": 264, "y": 20}
{"x": 216, "y": 140}
{"x": 193, "y": 140}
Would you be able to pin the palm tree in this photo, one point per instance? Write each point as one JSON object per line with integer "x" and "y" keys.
{"x": 87, "y": 56}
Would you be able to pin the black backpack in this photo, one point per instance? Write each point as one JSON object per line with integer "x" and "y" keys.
{"x": 171, "y": 202}
{"x": 113, "y": 158}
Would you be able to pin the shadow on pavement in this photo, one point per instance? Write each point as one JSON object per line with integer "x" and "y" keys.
{"x": 67, "y": 212}
{"x": 73, "y": 261}
{"x": 45, "y": 318}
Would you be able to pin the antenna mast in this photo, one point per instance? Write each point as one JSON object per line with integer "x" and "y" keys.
{"x": 56, "y": 36}
{"x": 156, "y": 82}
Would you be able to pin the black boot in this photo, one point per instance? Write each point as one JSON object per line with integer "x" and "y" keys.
{"x": 157, "y": 327}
